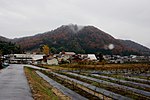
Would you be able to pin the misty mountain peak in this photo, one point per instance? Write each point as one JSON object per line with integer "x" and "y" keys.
{"x": 74, "y": 27}
{"x": 81, "y": 39}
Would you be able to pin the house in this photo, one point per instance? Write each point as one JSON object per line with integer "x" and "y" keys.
{"x": 67, "y": 53}
{"x": 76, "y": 58}
{"x": 52, "y": 61}
{"x": 25, "y": 58}
{"x": 119, "y": 61}
{"x": 20, "y": 58}
{"x": 65, "y": 56}
{"x": 91, "y": 57}
{"x": 37, "y": 59}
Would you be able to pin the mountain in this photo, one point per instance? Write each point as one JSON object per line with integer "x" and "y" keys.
{"x": 4, "y": 39}
{"x": 136, "y": 47}
{"x": 81, "y": 39}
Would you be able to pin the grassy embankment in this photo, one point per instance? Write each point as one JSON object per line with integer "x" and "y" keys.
{"x": 41, "y": 90}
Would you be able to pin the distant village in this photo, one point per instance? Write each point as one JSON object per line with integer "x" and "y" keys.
{"x": 71, "y": 57}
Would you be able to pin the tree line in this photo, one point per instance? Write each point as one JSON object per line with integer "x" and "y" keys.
{"x": 8, "y": 48}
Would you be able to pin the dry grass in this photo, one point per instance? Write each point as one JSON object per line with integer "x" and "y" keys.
{"x": 56, "y": 67}
{"x": 98, "y": 67}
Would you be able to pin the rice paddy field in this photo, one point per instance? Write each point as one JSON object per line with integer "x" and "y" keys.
{"x": 108, "y": 82}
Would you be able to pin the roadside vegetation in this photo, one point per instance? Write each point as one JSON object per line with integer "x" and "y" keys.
{"x": 41, "y": 90}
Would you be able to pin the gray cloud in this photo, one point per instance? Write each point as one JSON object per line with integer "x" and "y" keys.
{"x": 125, "y": 19}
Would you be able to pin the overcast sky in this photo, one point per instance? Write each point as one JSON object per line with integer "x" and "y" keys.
{"x": 123, "y": 19}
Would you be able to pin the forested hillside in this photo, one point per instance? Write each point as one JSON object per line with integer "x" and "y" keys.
{"x": 8, "y": 48}
{"x": 80, "y": 39}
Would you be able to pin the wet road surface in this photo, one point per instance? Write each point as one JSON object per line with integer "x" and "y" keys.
{"x": 13, "y": 84}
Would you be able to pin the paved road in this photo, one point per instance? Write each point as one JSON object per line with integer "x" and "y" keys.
{"x": 13, "y": 84}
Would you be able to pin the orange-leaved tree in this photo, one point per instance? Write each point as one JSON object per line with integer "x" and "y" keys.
{"x": 46, "y": 49}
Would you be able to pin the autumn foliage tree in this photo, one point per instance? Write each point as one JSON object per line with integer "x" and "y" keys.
{"x": 46, "y": 49}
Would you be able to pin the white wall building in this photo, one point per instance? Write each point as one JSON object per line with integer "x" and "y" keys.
{"x": 91, "y": 57}
{"x": 52, "y": 61}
